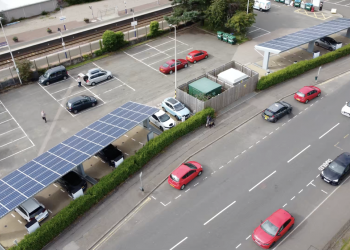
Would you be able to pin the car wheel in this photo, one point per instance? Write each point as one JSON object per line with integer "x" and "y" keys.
{"x": 194, "y": 61}
{"x": 93, "y": 104}
{"x": 289, "y": 111}
{"x": 272, "y": 245}
{"x": 170, "y": 72}
{"x": 178, "y": 118}
{"x": 186, "y": 65}
{"x": 319, "y": 94}
{"x": 331, "y": 49}
{"x": 109, "y": 77}
{"x": 206, "y": 57}
{"x": 161, "y": 128}
{"x": 75, "y": 111}
{"x": 274, "y": 120}
{"x": 93, "y": 84}
{"x": 183, "y": 187}
{"x": 307, "y": 101}
{"x": 64, "y": 78}
{"x": 291, "y": 227}
{"x": 317, "y": 44}
{"x": 200, "y": 173}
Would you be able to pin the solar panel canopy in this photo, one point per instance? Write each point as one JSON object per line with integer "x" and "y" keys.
{"x": 304, "y": 36}
{"x": 37, "y": 174}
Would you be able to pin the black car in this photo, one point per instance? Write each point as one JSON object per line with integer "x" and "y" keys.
{"x": 276, "y": 111}
{"x": 81, "y": 102}
{"x": 72, "y": 182}
{"x": 112, "y": 155}
{"x": 53, "y": 75}
{"x": 337, "y": 170}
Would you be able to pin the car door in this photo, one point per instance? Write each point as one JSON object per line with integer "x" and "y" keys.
{"x": 86, "y": 103}
{"x": 78, "y": 105}
{"x": 52, "y": 77}
{"x": 191, "y": 175}
{"x": 156, "y": 120}
{"x": 313, "y": 94}
{"x": 284, "y": 228}
{"x": 23, "y": 213}
{"x": 179, "y": 65}
{"x": 184, "y": 179}
{"x": 103, "y": 76}
{"x": 171, "y": 109}
{"x": 59, "y": 75}
{"x": 172, "y": 67}
{"x": 346, "y": 172}
{"x": 322, "y": 42}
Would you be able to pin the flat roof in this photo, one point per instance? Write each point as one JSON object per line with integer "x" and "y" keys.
{"x": 205, "y": 85}
{"x": 14, "y": 4}
{"x": 304, "y": 36}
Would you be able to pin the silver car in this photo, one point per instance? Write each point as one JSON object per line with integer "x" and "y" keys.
{"x": 97, "y": 75}
{"x": 327, "y": 43}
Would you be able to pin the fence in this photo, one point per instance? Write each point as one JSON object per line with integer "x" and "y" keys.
{"x": 229, "y": 93}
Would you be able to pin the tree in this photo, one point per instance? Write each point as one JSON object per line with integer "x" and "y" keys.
{"x": 24, "y": 67}
{"x": 154, "y": 28}
{"x": 109, "y": 39}
{"x": 241, "y": 21}
{"x": 216, "y": 14}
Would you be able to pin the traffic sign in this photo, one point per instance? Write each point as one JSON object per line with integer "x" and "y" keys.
{"x": 134, "y": 23}
{"x": 62, "y": 18}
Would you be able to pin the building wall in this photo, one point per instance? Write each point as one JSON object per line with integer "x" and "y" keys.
{"x": 30, "y": 10}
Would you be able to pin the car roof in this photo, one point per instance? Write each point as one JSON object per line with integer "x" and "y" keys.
{"x": 279, "y": 217}
{"x": 306, "y": 89}
{"x": 276, "y": 106}
{"x": 159, "y": 113}
{"x": 181, "y": 171}
{"x": 194, "y": 52}
{"x": 30, "y": 205}
{"x": 343, "y": 159}
{"x": 94, "y": 70}
{"x": 57, "y": 68}
{"x": 76, "y": 98}
{"x": 171, "y": 100}
{"x": 170, "y": 61}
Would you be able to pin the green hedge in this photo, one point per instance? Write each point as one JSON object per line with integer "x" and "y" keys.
{"x": 51, "y": 229}
{"x": 301, "y": 67}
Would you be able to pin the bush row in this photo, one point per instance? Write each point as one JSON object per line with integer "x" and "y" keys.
{"x": 301, "y": 67}
{"x": 51, "y": 229}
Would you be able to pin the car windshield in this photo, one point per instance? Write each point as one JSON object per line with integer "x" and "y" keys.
{"x": 179, "y": 107}
{"x": 335, "y": 167}
{"x": 300, "y": 94}
{"x": 164, "y": 118}
{"x": 174, "y": 178}
{"x": 268, "y": 112}
{"x": 269, "y": 228}
{"x": 46, "y": 75}
{"x": 165, "y": 65}
{"x": 87, "y": 98}
{"x": 348, "y": 104}
{"x": 331, "y": 40}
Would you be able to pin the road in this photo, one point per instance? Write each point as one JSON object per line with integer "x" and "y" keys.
{"x": 247, "y": 175}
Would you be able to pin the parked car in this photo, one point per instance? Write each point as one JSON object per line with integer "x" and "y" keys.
{"x": 32, "y": 209}
{"x": 327, "y": 43}
{"x": 169, "y": 66}
{"x": 72, "y": 182}
{"x": 95, "y": 76}
{"x": 307, "y": 93}
{"x": 81, "y": 102}
{"x": 276, "y": 111}
{"x": 346, "y": 109}
{"x": 337, "y": 170}
{"x": 262, "y": 5}
{"x": 181, "y": 176}
{"x": 162, "y": 120}
{"x": 196, "y": 56}
{"x": 175, "y": 108}
{"x": 273, "y": 228}
{"x": 112, "y": 155}
{"x": 54, "y": 74}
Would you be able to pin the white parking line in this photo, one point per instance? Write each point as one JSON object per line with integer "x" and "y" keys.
{"x": 165, "y": 204}
{"x": 257, "y": 142}
{"x": 328, "y": 131}
{"x": 229, "y": 162}
{"x": 90, "y": 90}
{"x": 271, "y": 133}
{"x": 219, "y": 213}
{"x": 49, "y": 211}
{"x": 178, "y": 243}
{"x": 196, "y": 184}
{"x": 16, "y": 153}
{"x": 251, "y": 146}
{"x": 247, "y": 237}
{"x": 243, "y": 151}
{"x": 262, "y": 181}
{"x": 285, "y": 205}
{"x": 310, "y": 183}
{"x": 177, "y": 196}
{"x": 238, "y": 245}
{"x": 148, "y": 65}
{"x": 253, "y": 31}
{"x": 178, "y": 41}
{"x": 317, "y": 176}
{"x": 63, "y": 89}
{"x": 13, "y": 215}
{"x": 9, "y": 131}
{"x": 221, "y": 167}
{"x": 19, "y": 221}
{"x": 12, "y": 141}
{"x": 112, "y": 89}
{"x": 157, "y": 50}
{"x": 292, "y": 198}
{"x": 169, "y": 57}
{"x": 324, "y": 191}
{"x": 298, "y": 153}
{"x": 69, "y": 96}
{"x": 264, "y": 137}
{"x": 300, "y": 191}
{"x": 153, "y": 197}
{"x": 187, "y": 190}
{"x": 236, "y": 156}
{"x": 6, "y": 121}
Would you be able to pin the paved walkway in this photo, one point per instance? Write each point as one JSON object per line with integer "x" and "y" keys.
{"x": 36, "y": 27}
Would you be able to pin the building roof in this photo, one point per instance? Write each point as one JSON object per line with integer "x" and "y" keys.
{"x": 205, "y": 85}
{"x": 14, "y": 4}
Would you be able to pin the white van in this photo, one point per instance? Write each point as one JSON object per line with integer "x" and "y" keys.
{"x": 262, "y": 5}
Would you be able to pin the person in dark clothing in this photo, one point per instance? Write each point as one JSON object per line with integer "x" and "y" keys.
{"x": 321, "y": 5}
{"x": 79, "y": 81}
{"x": 43, "y": 115}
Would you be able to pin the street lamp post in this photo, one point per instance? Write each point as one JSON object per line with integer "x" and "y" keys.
{"x": 14, "y": 63}
{"x": 171, "y": 25}
{"x": 247, "y": 6}
{"x": 63, "y": 44}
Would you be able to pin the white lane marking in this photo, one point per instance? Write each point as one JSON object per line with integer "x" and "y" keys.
{"x": 238, "y": 245}
{"x": 112, "y": 89}
{"x": 178, "y": 41}
{"x": 178, "y": 243}
{"x": 306, "y": 108}
{"x": 285, "y": 205}
{"x": 262, "y": 181}
{"x": 12, "y": 141}
{"x": 196, "y": 184}
{"x": 157, "y": 49}
{"x": 247, "y": 237}
{"x": 300, "y": 191}
{"x": 289, "y": 120}
{"x": 321, "y": 97}
{"x": 316, "y": 101}
{"x": 292, "y": 198}
{"x": 328, "y": 131}
{"x": 219, "y": 213}
{"x": 9, "y": 131}
{"x": 49, "y": 211}
{"x": 283, "y": 124}
{"x": 300, "y": 112}
{"x": 229, "y": 161}
{"x": 123, "y": 83}
{"x": 243, "y": 151}
{"x": 295, "y": 228}
{"x": 187, "y": 190}
{"x": 133, "y": 139}
{"x": 271, "y": 133}
{"x": 144, "y": 63}
{"x": 19, "y": 221}
{"x": 63, "y": 89}
{"x": 257, "y": 142}
{"x": 236, "y": 156}
{"x": 298, "y": 153}
{"x": 55, "y": 185}
{"x": 70, "y": 95}
{"x": 165, "y": 204}
{"x": 153, "y": 197}
{"x": 311, "y": 183}
{"x": 221, "y": 167}
{"x": 169, "y": 57}
{"x": 295, "y": 116}
{"x": 311, "y": 105}
{"x": 177, "y": 196}
{"x": 17, "y": 153}
{"x": 278, "y": 128}
{"x": 251, "y": 146}
{"x": 264, "y": 137}
{"x": 213, "y": 172}
{"x": 253, "y": 31}
{"x": 205, "y": 178}
{"x": 3, "y": 112}
{"x": 317, "y": 176}
{"x": 324, "y": 191}
{"x": 96, "y": 157}
{"x": 13, "y": 215}
{"x": 62, "y": 190}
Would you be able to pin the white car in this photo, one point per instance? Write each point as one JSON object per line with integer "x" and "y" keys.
{"x": 32, "y": 209}
{"x": 162, "y": 120}
{"x": 346, "y": 109}
{"x": 95, "y": 76}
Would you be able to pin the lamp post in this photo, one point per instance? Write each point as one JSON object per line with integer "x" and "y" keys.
{"x": 171, "y": 25}
{"x": 14, "y": 63}
{"x": 248, "y": 7}
{"x": 63, "y": 44}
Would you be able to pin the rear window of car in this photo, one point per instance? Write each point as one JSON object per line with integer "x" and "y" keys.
{"x": 275, "y": 107}
{"x": 37, "y": 211}
{"x": 72, "y": 178}
{"x": 165, "y": 65}
{"x": 190, "y": 165}
{"x": 268, "y": 112}
{"x": 300, "y": 94}
{"x": 174, "y": 178}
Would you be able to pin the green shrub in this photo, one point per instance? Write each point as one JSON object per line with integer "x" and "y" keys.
{"x": 43, "y": 13}
{"x": 100, "y": 43}
{"x": 51, "y": 229}
{"x": 24, "y": 67}
{"x": 113, "y": 41}
{"x": 99, "y": 52}
{"x": 301, "y": 67}
{"x": 154, "y": 28}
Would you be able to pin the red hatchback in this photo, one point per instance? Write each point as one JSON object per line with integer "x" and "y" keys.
{"x": 196, "y": 56}
{"x": 169, "y": 66}
{"x": 273, "y": 228}
{"x": 307, "y": 93}
{"x": 181, "y": 176}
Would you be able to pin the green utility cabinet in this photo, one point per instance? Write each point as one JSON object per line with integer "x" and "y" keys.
{"x": 204, "y": 86}
{"x": 297, "y": 3}
{"x": 282, "y": 1}
{"x": 224, "y": 37}
{"x": 308, "y": 6}
{"x": 231, "y": 39}
{"x": 220, "y": 33}
{"x": 277, "y": 1}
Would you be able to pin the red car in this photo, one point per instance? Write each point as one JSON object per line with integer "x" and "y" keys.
{"x": 196, "y": 56}
{"x": 307, "y": 93}
{"x": 273, "y": 228}
{"x": 169, "y": 66}
{"x": 181, "y": 176}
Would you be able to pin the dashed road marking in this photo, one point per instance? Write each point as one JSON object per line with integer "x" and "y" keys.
{"x": 133, "y": 139}
{"x": 257, "y": 142}
{"x": 278, "y": 128}
{"x": 311, "y": 105}
{"x": 298, "y": 154}
{"x": 289, "y": 120}
{"x": 317, "y": 176}
{"x": 262, "y": 181}
{"x": 229, "y": 161}
{"x": 19, "y": 221}
{"x": 205, "y": 178}
{"x": 49, "y": 211}
{"x": 219, "y": 213}
{"x": 300, "y": 112}
{"x": 62, "y": 190}
{"x": 236, "y": 156}
{"x": 187, "y": 190}
{"x": 177, "y": 196}
{"x": 55, "y": 185}
{"x": 324, "y": 192}
{"x": 292, "y": 198}
{"x": 165, "y": 204}
{"x": 213, "y": 172}
{"x": 247, "y": 237}
{"x": 346, "y": 136}
{"x": 243, "y": 151}
{"x": 285, "y": 205}
{"x": 300, "y": 191}
{"x": 264, "y": 137}
{"x": 310, "y": 183}
{"x": 196, "y": 184}
{"x": 221, "y": 167}
{"x": 283, "y": 124}
{"x": 251, "y": 146}
{"x": 13, "y": 215}
{"x": 153, "y": 197}
{"x": 238, "y": 245}
{"x": 329, "y": 131}
{"x": 271, "y": 133}
{"x": 178, "y": 243}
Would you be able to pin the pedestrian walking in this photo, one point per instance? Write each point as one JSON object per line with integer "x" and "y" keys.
{"x": 79, "y": 81}
{"x": 43, "y": 115}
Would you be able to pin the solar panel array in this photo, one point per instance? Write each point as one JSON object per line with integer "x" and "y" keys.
{"x": 307, "y": 35}
{"x": 37, "y": 174}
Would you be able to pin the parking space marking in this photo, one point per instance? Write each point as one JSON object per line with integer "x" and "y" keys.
{"x": 9, "y": 131}
{"x": 157, "y": 49}
{"x": 221, "y": 167}
{"x": 300, "y": 191}
{"x": 12, "y": 141}
{"x": 262, "y": 180}
{"x": 219, "y": 213}
{"x": 19, "y": 221}
{"x": 178, "y": 41}
{"x": 144, "y": 63}
{"x": 63, "y": 89}
{"x": 112, "y": 89}
{"x": 6, "y": 121}
{"x": 153, "y": 197}
{"x": 100, "y": 84}
{"x": 177, "y": 196}
{"x": 165, "y": 204}
{"x": 69, "y": 96}
{"x": 49, "y": 211}
{"x": 187, "y": 190}
{"x": 298, "y": 154}
{"x": 151, "y": 48}
{"x": 238, "y": 245}
{"x": 329, "y": 131}
{"x": 169, "y": 57}
{"x": 89, "y": 91}
{"x": 324, "y": 191}
{"x": 292, "y": 198}
{"x": 247, "y": 237}
{"x": 310, "y": 183}
{"x": 285, "y": 205}
{"x": 156, "y": 54}
{"x": 13, "y": 215}
{"x": 178, "y": 243}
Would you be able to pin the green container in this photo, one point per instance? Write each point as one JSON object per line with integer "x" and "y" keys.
{"x": 224, "y": 37}
{"x": 308, "y": 6}
{"x": 282, "y": 1}
{"x": 297, "y": 3}
{"x": 277, "y": 1}
{"x": 220, "y": 35}
{"x": 231, "y": 39}
{"x": 204, "y": 86}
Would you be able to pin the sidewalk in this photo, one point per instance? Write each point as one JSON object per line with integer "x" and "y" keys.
{"x": 91, "y": 227}
{"x": 36, "y": 27}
